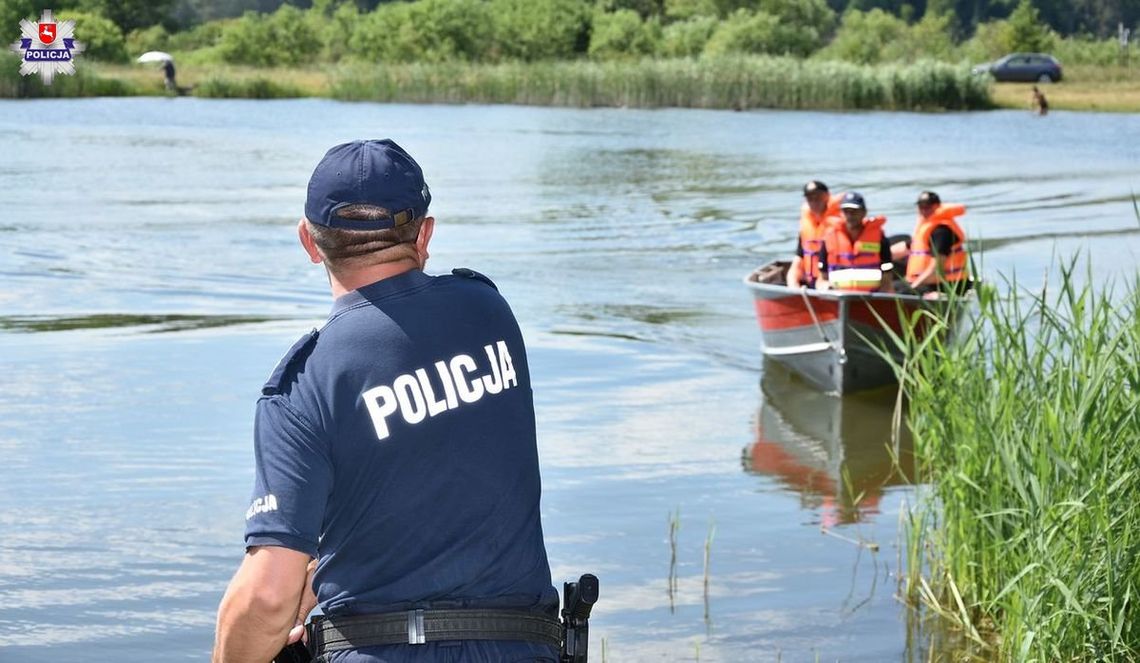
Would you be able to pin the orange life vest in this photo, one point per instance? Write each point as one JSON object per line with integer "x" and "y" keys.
{"x": 921, "y": 256}
{"x": 812, "y": 230}
{"x": 862, "y": 253}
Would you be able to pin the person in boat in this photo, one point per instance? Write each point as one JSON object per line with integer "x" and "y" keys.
{"x": 938, "y": 260}
{"x": 855, "y": 254}
{"x": 395, "y": 448}
{"x": 819, "y": 205}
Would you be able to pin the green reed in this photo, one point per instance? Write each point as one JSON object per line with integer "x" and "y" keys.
{"x": 1027, "y": 430}
{"x": 731, "y": 82}
{"x": 257, "y": 87}
{"x": 84, "y": 83}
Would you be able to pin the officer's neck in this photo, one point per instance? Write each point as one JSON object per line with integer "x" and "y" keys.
{"x": 346, "y": 281}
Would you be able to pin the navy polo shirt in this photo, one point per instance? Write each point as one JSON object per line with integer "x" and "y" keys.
{"x": 397, "y": 445}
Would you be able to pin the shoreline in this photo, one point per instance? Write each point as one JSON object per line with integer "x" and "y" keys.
{"x": 738, "y": 83}
{"x": 730, "y": 84}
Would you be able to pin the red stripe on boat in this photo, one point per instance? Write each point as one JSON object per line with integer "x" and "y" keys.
{"x": 791, "y": 312}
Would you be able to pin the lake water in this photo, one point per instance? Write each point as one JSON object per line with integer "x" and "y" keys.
{"x": 153, "y": 279}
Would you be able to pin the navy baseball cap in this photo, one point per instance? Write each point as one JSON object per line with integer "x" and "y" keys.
{"x": 814, "y": 186}
{"x": 928, "y": 198}
{"x": 852, "y": 200}
{"x": 367, "y": 172}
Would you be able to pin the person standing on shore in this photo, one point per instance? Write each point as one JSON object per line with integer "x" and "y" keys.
{"x": 818, "y": 206}
{"x": 396, "y": 447}
{"x": 168, "y": 76}
{"x": 1038, "y": 103}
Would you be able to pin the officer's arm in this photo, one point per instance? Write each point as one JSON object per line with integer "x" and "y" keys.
{"x": 260, "y": 605}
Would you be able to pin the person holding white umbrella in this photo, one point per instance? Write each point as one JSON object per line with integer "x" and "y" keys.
{"x": 167, "y": 61}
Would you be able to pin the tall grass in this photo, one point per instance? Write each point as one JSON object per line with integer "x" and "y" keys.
{"x": 85, "y": 83}
{"x": 1028, "y": 432}
{"x": 731, "y": 82}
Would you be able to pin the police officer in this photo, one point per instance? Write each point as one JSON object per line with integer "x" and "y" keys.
{"x": 396, "y": 448}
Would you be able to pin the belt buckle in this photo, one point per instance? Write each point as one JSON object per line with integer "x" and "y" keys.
{"x": 416, "y": 634}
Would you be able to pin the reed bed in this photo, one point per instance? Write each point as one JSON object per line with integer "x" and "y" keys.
{"x": 1027, "y": 430}
{"x": 736, "y": 82}
{"x": 721, "y": 83}
{"x": 85, "y": 83}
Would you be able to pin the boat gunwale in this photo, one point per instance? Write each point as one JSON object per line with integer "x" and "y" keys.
{"x": 837, "y": 295}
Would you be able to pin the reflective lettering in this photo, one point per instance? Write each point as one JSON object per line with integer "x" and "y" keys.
{"x": 262, "y": 505}
{"x": 448, "y": 385}
{"x": 434, "y": 407}
{"x": 463, "y": 381}
{"x": 411, "y": 399}
{"x": 506, "y": 366}
{"x": 469, "y": 392}
{"x": 381, "y": 402}
{"x": 494, "y": 381}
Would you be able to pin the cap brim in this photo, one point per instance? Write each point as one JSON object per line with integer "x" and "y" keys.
{"x": 851, "y": 206}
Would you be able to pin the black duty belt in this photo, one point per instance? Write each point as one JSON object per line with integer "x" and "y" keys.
{"x": 417, "y": 627}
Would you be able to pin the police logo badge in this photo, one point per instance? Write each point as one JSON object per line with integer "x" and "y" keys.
{"x": 47, "y": 47}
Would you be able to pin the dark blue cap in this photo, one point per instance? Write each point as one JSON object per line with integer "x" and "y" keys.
{"x": 367, "y": 172}
{"x": 852, "y": 200}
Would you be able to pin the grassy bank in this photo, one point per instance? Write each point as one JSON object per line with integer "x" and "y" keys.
{"x": 1085, "y": 88}
{"x": 1028, "y": 430}
{"x": 730, "y": 83}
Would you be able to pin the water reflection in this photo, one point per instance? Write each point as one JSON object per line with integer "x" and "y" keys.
{"x": 836, "y": 452}
{"x": 146, "y": 323}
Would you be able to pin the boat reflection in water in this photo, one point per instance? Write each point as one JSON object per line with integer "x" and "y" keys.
{"x": 837, "y": 452}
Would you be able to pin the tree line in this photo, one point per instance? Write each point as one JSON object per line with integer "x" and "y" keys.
{"x": 274, "y": 33}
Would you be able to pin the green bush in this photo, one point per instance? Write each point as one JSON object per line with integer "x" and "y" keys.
{"x": 154, "y": 38}
{"x": 644, "y": 8}
{"x": 541, "y": 29}
{"x": 744, "y": 32}
{"x": 452, "y": 29}
{"x": 1083, "y": 50}
{"x": 776, "y": 32}
{"x": 101, "y": 38}
{"x": 623, "y": 34}
{"x": 284, "y": 37}
{"x": 1025, "y": 32}
{"x": 987, "y": 43}
{"x": 11, "y": 13}
{"x": 386, "y": 34}
{"x": 206, "y": 35}
{"x": 931, "y": 38}
{"x": 688, "y": 9}
{"x": 336, "y": 30}
{"x": 688, "y": 38}
{"x": 863, "y": 37}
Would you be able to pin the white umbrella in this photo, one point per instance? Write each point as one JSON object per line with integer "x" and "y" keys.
{"x": 155, "y": 56}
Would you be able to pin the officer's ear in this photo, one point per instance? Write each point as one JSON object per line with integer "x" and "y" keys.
{"x": 308, "y": 243}
{"x": 424, "y": 238}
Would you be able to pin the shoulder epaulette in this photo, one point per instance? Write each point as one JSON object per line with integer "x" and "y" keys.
{"x": 472, "y": 274}
{"x": 296, "y": 355}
